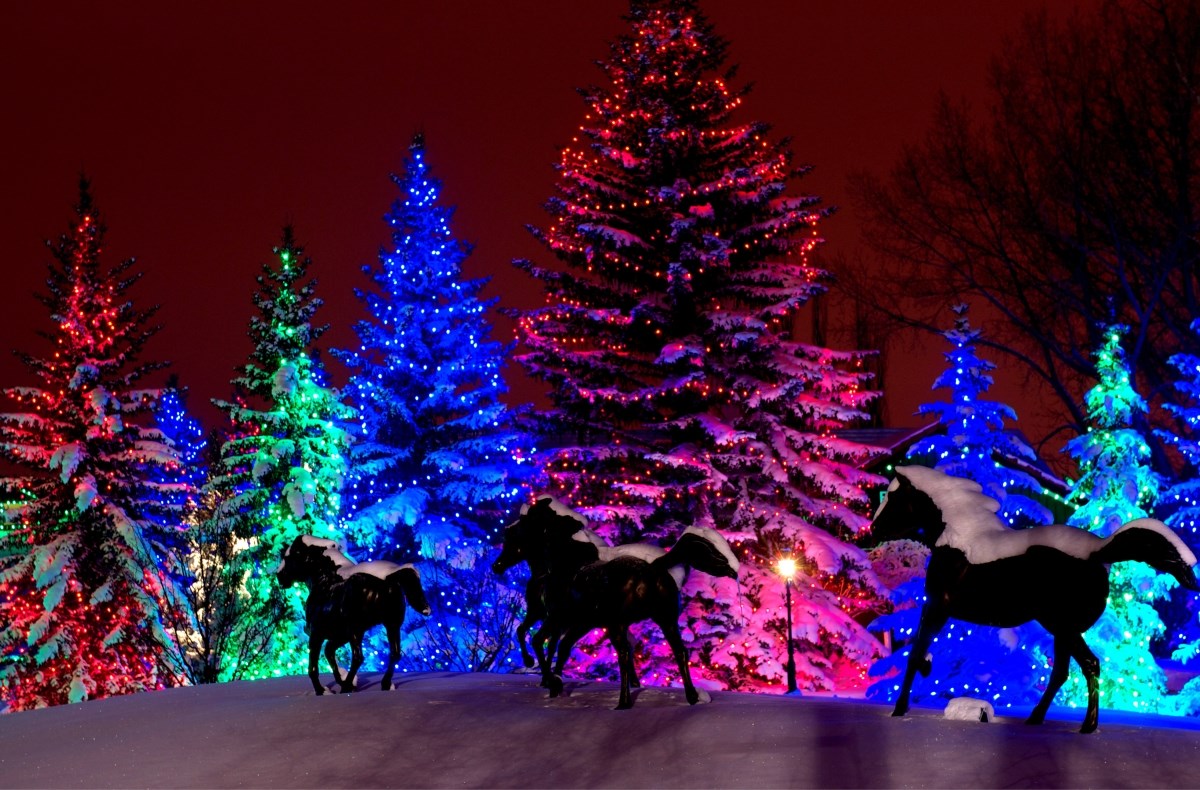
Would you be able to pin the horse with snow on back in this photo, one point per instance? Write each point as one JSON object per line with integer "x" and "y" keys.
{"x": 347, "y": 598}
{"x": 984, "y": 572}
{"x": 515, "y": 552}
{"x": 583, "y": 591}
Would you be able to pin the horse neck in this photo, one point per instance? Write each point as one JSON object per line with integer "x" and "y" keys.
{"x": 323, "y": 577}
{"x": 566, "y": 556}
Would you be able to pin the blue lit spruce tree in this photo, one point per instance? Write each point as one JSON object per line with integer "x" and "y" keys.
{"x": 1117, "y": 484}
{"x": 999, "y": 665}
{"x": 680, "y": 395}
{"x": 1181, "y": 503}
{"x": 1182, "y": 498}
{"x": 180, "y": 486}
{"x": 438, "y": 464}
{"x": 282, "y": 465}
{"x": 86, "y": 589}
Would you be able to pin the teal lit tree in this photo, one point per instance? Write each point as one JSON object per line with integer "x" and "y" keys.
{"x": 88, "y": 522}
{"x": 438, "y": 463}
{"x": 283, "y": 464}
{"x": 972, "y": 660}
{"x": 1116, "y": 484}
{"x": 680, "y": 395}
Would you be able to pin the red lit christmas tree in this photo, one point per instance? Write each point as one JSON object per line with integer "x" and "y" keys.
{"x": 680, "y": 396}
{"x": 87, "y": 522}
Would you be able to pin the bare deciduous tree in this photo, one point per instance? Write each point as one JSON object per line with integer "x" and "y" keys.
{"x": 1073, "y": 204}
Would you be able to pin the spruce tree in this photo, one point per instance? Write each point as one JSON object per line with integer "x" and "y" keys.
{"x": 283, "y": 464}
{"x": 679, "y": 394}
{"x": 88, "y": 522}
{"x": 1182, "y": 498}
{"x": 437, "y": 464}
{"x": 971, "y": 660}
{"x": 1181, "y": 503}
{"x": 975, "y": 440}
{"x": 1116, "y": 484}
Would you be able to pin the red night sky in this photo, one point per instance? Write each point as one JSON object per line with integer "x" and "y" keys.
{"x": 205, "y": 127}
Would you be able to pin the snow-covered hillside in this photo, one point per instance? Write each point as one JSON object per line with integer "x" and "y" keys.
{"x": 451, "y": 730}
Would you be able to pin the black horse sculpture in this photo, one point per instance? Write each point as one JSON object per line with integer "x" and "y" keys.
{"x": 983, "y": 572}
{"x": 535, "y": 589}
{"x": 582, "y": 591}
{"x": 345, "y": 599}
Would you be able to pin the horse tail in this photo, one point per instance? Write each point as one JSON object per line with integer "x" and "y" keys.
{"x": 702, "y": 549}
{"x": 1152, "y": 542}
{"x": 409, "y": 579}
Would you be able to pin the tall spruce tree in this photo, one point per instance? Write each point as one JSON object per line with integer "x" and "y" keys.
{"x": 680, "y": 396}
{"x": 87, "y": 519}
{"x": 283, "y": 464}
{"x": 972, "y": 660}
{"x": 1116, "y": 485}
{"x": 437, "y": 464}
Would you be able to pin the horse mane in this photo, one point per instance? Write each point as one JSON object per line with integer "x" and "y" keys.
{"x": 559, "y": 508}
{"x": 967, "y": 512}
{"x": 334, "y": 550}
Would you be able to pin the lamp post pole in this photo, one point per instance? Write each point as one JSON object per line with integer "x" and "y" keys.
{"x": 787, "y": 569}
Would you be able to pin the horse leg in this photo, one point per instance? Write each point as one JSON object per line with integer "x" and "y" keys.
{"x": 1091, "y": 673}
{"x": 933, "y": 618}
{"x": 619, "y": 636}
{"x": 314, "y": 654}
{"x": 670, "y": 630}
{"x": 550, "y": 679}
{"x": 393, "y": 637}
{"x": 540, "y": 639}
{"x": 331, "y": 657}
{"x": 523, "y": 631}
{"x": 1058, "y": 676}
{"x": 356, "y": 659}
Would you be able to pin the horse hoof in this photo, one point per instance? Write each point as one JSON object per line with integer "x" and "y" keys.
{"x": 1034, "y": 721}
{"x": 899, "y": 711}
{"x": 623, "y": 706}
{"x": 528, "y": 662}
{"x": 693, "y": 696}
{"x": 320, "y": 692}
{"x": 1088, "y": 727}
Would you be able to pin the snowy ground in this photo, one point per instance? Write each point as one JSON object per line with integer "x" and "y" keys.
{"x": 448, "y": 730}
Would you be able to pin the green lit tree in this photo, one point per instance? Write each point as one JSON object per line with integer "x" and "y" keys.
{"x": 1117, "y": 485}
{"x": 282, "y": 467}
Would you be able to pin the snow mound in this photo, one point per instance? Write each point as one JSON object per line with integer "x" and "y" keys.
{"x": 968, "y": 709}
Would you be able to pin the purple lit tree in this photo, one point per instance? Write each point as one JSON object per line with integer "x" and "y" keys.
{"x": 680, "y": 395}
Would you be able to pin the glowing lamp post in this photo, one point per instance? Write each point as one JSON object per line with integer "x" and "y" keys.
{"x": 786, "y": 566}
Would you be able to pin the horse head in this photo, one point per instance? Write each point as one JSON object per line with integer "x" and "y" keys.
{"x": 306, "y": 558}
{"x": 544, "y": 521}
{"x": 907, "y": 511}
